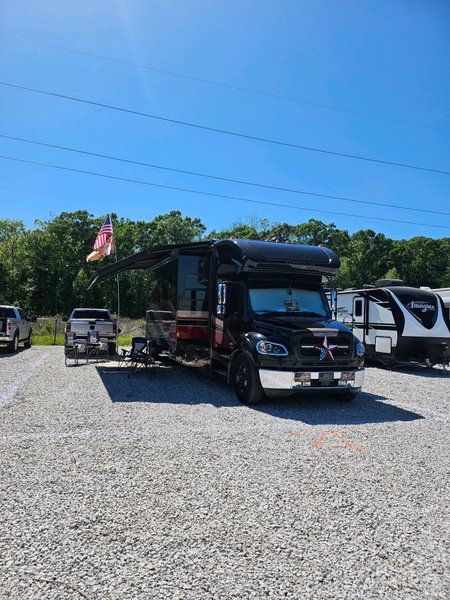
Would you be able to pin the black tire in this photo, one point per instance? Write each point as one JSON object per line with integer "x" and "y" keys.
{"x": 29, "y": 341}
{"x": 345, "y": 396}
{"x": 246, "y": 380}
{"x": 112, "y": 348}
{"x": 14, "y": 345}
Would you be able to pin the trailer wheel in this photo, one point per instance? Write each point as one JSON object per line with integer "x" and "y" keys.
{"x": 14, "y": 345}
{"x": 246, "y": 380}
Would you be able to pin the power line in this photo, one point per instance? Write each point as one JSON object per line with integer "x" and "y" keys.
{"x": 222, "y": 131}
{"x": 223, "y": 85}
{"x": 14, "y": 189}
{"x": 192, "y": 191}
{"x": 215, "y": 177}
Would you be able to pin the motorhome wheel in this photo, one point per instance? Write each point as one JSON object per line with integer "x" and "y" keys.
{"x": 246, "y": 381}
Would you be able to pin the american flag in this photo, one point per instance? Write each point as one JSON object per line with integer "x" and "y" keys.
{"x": 105, "y": 232}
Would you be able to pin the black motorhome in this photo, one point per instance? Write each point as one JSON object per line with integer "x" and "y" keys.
{"x": 397, "y": 323}
{"x": 254, "y": 311}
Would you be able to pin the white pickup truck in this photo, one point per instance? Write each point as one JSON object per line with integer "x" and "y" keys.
{"x": 83, "y": 320}
{"x": 14, "y": 328}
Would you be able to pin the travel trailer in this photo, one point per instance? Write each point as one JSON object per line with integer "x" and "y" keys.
{"x": 255, "y": 312}
{"x": 397, "y": 323}
{"x": 444, "y": 293}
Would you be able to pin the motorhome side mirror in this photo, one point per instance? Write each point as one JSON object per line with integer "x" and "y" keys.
{"x": 333, "y": 298}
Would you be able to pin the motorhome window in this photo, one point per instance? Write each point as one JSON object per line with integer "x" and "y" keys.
{"x": 234, "y": 300}
{"x": 162, "y": 287}
{"x": 192, "y": 288}
{"x": 292, "y": 300}
{"x": 358, "y": 308}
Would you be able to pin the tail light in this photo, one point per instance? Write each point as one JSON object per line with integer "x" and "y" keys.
{"x": 8, "y": 326}
{"x": 68, "y": 328}
{"x": 114, "y": 327}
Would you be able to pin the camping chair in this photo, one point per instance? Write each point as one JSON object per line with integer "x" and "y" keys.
{"x": 93, "y": 345}
{"x": 70, "y": 348}
{"x": 139, "y": 357}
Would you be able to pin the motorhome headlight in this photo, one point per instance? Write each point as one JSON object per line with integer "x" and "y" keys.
{"x": 271, "y": 348}
{"x": 360, "y": 350}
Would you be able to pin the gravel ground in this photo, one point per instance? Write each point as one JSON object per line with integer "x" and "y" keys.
{"x": 114, "y": 488}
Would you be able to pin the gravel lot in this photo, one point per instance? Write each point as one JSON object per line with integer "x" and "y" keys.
{"x": 117, "y": 488}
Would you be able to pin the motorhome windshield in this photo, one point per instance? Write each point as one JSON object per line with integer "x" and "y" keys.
{"x": 292, "y": 300}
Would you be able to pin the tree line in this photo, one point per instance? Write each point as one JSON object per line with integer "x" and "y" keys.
{"x": 43, "y": 269}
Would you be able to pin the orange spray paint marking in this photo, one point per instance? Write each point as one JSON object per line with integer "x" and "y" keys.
{"x": 323, "y": 441}
{"x": 294, "y": 433}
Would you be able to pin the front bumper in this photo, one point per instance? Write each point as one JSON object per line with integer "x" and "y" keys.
{"x": 312, "y": 381}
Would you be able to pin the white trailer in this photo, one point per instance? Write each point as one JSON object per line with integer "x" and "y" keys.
{"x": 397, "y": 323}
{"x": 444, "y": 293}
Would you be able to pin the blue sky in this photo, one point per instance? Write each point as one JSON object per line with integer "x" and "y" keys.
{"x": 381, "y": 57}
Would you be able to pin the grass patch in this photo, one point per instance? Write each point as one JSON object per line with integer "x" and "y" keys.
{"x": 49, "y": 340}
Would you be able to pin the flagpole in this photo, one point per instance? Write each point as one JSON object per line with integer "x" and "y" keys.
{"x": 117, "y": 281}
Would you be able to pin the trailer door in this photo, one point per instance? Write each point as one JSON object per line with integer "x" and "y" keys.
{"x": 359, "y": 321}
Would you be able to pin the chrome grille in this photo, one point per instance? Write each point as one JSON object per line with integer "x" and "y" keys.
{"x": 309, "y": 347}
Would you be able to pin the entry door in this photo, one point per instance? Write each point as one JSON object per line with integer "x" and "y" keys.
{"x": 358, "y": 317}
{"x": 228, "y": 321}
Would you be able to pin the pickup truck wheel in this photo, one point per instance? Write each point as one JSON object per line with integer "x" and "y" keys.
{"x": 246, "y": 381}
{"x": 112, "y": 348}
{"x": 14, "y": 345}
{"x": 29, "y": 341}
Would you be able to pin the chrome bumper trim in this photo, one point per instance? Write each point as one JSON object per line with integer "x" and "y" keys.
{"x": 285, "y": 380}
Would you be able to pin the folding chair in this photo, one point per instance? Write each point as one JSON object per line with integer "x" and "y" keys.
{"x": 70, "y": 348}
{"x": 139, "y": 357}
{"x": 93, "y": 345}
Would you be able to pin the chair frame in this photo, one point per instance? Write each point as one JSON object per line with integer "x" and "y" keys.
{"x": 71, "y": 348}
{"x": 92, "y": 346}
{"x": 138, "y": 358}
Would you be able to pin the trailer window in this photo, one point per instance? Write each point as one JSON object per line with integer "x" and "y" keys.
{"x": 358, "y": 311}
